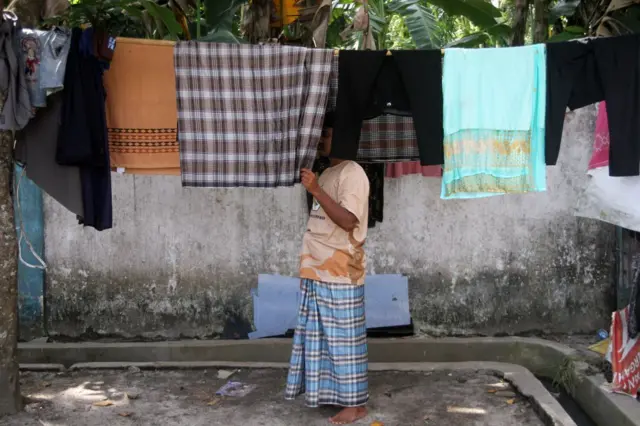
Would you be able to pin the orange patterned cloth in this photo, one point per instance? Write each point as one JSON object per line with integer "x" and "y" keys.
{"x": 142, "y": 117}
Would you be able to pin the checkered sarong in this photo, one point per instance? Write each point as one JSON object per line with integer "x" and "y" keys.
{"x": 384, "y": 138}
{"x": 249, "y": 116}
{"x": 329, "y": 362}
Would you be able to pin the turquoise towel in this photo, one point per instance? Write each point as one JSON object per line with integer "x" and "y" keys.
{"x": 494, "y": 119}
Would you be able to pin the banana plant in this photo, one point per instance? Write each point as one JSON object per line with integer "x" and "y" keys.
{"x": 215, "y": 21}
{"x": 424, "y": 26}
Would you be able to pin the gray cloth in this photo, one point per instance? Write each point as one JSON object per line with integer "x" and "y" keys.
{"x": 53, "y": 63}
{"x": 15, "y": 105}
{"x": 36, "y": 148}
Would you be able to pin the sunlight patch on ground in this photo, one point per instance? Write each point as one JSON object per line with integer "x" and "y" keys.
{"x": 466, "y": 410}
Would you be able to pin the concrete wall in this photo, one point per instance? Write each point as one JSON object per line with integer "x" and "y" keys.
{"x": 181, "y": 262}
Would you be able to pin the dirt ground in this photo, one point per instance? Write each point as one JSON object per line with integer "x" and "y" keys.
{"x": 187, "y": 398}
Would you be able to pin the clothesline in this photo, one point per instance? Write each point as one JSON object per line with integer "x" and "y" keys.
{"x": 248, "y": 117}
{"x": 336, "y": 52}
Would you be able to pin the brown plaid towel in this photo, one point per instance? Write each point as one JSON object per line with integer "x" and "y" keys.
{"x": 384, "y": 138}
{"x": 249, "y": 115}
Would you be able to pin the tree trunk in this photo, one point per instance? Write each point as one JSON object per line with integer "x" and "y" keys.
{"x": 29, "y": 12}
{"x": 520, "y": 22}
{"x": 541, "y": 21}
{"x": 10, "y": 399}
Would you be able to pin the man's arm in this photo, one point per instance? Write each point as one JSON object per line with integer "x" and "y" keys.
{"x": 338, "y": 214}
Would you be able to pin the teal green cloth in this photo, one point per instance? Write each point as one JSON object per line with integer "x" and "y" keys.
{"x": 494, "y": 120}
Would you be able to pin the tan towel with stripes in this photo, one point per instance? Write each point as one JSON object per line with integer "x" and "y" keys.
{"x": 142, "y": 117}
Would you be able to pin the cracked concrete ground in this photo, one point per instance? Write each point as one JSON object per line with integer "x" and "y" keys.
{"x": 187, "y": 398}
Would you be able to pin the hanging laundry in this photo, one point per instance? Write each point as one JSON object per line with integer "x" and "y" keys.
{"x": 606, "y": 197}
{"x": 406, "y": 83}
{"x": 396, "y": 170}
{"x": 384, "y": 138}
{"x": 388, "y": 138}
{"x": 30, "y": 54}
{"x": 36, "y": 150}
{"x": 142, "y": 117}
{"x": 82, "y": 138}
{"x": 600, "y": 155}
{"x": 589, "y": 71}
{"x": 16, "y": 107}
{"x": 571, "y": 69}
{"x": 375, "y": 173}
{"x": 494, "y": 112}
{"x": 249, "y": 116}
{"x": 80, "y": 141}
{"x": 53, "y": 61}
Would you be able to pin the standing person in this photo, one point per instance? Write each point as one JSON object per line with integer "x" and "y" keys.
{"x": 329, "y": 360}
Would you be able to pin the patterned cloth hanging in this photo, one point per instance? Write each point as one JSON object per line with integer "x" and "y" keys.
{"x": 384, "y": 138}
{"x": 249, "y": 116}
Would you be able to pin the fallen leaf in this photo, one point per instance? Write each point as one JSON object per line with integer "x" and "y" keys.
{"x": 105, "y": 403}
{"x": 125, "y": 414}
{"x": 492, "y": 390}
{"x": 213, "y": 402}
{"x": 511, "y": 401}
{"x": 377, "y": 424}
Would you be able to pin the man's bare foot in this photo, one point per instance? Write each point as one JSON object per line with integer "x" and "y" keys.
{"x": 349, "y": 415}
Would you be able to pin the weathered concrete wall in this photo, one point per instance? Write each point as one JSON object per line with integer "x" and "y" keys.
{"x": 181, "y": 262}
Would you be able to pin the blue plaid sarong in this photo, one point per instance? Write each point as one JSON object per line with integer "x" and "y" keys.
{"x": 329, "y": 361}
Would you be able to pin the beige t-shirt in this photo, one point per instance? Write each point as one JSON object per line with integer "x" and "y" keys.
{"x": 329, "y": 253}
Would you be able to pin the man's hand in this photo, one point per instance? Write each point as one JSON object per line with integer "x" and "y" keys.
{"x": 309, "y": 181}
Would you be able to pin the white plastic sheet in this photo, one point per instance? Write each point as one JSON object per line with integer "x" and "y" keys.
{"x": 615, "y": 200}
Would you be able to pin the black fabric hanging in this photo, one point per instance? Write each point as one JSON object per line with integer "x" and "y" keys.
{"x": 371, "y": 83}
{"x": 581, "y": 73}
{"x": 375, "y": 173}
{"x": 82, "y": 137}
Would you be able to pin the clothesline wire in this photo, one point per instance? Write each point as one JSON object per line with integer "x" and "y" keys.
{"x": 336, "y": 52}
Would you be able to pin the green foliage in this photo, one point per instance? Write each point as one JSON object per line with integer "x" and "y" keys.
{"x": 481, "y": 13}
{"x": 398, "y": 36}
{"x": 143, "y": 18}
{"x": 498, "y": 35}
{"x": 419, "y": 21}
{"x": 566, "y": 376}
{"x": 217, "y": 20}
{"x": 429, "y": 23}
{"x": 220, "y": 21}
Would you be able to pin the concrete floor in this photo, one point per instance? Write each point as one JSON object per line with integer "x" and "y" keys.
{"x": 187, "y": 398}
